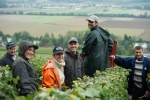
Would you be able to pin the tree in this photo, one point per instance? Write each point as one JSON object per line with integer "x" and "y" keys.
{"x": 4, "y": 39}
{"x": 21, "y": 12}
{"x": 44, "y": 42}
{"x": 46, "y": 35}
{"x": 145, "y": 15}
{"x": 130, "y": 50}
{"x": 1, "y": 33}
{"x": 17, "y": 36}
{"x": 26, "y": 36}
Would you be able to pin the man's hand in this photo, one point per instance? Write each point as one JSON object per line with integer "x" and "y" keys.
{"x": 112, "y": 57}
{"x": 111, "y": 60}
{"x": 147, "y": 94}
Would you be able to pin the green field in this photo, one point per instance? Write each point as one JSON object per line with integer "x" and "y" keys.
{"x": 38, "y": 25}
{"x": 41, "y": 52}
{"x": 47, "y": 19}
{"x": 121, "y": 31}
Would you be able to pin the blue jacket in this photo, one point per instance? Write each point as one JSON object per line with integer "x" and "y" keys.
{"x": 129, "y": 63}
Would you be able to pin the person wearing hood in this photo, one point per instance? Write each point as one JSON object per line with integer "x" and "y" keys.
{"x": 52, "y": 71}
{"x": 74, "y": 63}
{"x": 97, "y": 47}
{"x": 24, "y": 70}
{"x": 9, "y": 56}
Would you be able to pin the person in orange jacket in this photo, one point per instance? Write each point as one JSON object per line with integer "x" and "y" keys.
{"x": 52, "y": 71}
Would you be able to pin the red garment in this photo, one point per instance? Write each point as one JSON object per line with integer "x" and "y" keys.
{"x": 50, "y": 75}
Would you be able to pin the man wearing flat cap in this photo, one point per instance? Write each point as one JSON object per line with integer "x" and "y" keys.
{"x": 10, "y": 55}
{"x": 97, "y": 47}
{"x": 74, "y": 63}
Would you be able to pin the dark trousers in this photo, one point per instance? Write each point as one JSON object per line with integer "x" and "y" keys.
{"x": 137, "y": 92}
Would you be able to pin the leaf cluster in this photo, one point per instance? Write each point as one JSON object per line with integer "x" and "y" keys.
{"x": 7, "y": 84}
{"x": 108, "y": 85}
{"x": 37, "y": 63}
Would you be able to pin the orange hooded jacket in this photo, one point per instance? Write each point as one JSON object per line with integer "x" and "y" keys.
{"x": 50, "y": 75}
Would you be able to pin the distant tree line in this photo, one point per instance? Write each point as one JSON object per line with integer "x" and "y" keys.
{"x": 78, "y": 1}
{"x": 145, "y": 15}
{"x": 124, "y": 46}
{"x": 100, "y": 1}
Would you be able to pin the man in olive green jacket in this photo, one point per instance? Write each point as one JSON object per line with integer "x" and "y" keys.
{"x": 97, "y": 47}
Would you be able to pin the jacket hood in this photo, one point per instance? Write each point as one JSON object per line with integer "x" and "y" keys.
{"x": 105, "y": 34}
{"x": 24, "y": 46}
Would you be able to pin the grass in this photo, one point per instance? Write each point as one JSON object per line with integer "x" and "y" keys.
{"x": 42, "y": 52}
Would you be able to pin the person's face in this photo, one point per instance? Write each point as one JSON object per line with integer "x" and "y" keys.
{"x": 91, "y": 24}
{"x": 29, "y": 53}
{"x": 11, "y": 51}
{"x": 138, "y": 53}
{"x": 59, "y": 57}
{"x": 73, "y": 46}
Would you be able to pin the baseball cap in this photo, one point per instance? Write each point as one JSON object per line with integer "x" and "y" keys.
{"x": 92, "y": 18}
{"x": 58, "y": 49}
{"x": 10, "y": 44}
{"x": 73, "y": 39}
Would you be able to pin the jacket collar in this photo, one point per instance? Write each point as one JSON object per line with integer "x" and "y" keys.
{"x": 71, "y": 54}
{"x": 133, "y": 61}
{"x": 8, "y": 55}
{"x": 95, "y": 27}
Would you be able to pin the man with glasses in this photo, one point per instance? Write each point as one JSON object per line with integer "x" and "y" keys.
{"x": 10, "y": 55}
{"x": 97, "y": 47}
{"x": 74, "y": 63}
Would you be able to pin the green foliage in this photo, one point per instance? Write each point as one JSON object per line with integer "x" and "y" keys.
{"x": 7, "y": 84}
{"x": 124, "y": 47}
{"x": 22, "y": 36}
{"x": 108, "y": 85}
{"x": 1, "y": 33}
{"x": 148, "y": 79}
{"x": 37, "y": 63}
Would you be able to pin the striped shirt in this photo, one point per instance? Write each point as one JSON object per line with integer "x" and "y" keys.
{"x": 138, "y": 73}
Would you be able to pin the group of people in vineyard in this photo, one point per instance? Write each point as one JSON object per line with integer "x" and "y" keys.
{"x": 65, "y": 66}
